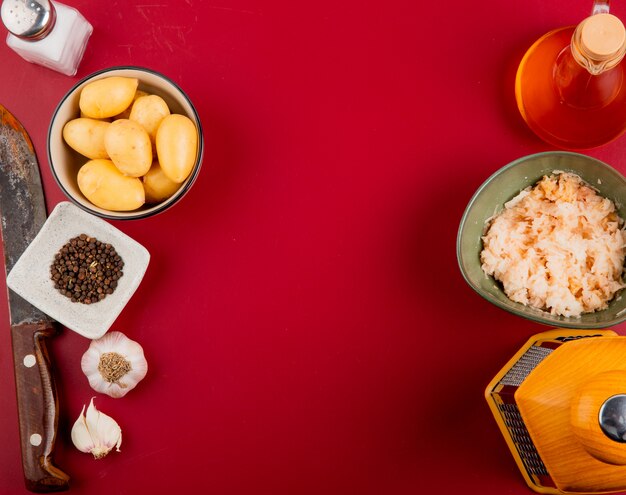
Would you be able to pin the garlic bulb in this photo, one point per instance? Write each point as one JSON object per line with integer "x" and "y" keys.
{"x": 114, "y": 364}
{"x": 96, "y": 432}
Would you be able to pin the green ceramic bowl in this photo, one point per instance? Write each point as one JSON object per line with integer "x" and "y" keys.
{"x": 503, "y": 186}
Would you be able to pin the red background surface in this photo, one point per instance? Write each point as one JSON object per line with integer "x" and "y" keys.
{"x": 306, "y": 325}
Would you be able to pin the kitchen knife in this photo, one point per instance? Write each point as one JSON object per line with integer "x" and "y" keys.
{"x": 23, "y": 212}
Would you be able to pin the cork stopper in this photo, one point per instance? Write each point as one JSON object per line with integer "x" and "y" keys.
{"x": 602, "y": 36}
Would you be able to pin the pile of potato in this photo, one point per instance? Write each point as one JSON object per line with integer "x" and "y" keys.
{"x": 139, "y": 152}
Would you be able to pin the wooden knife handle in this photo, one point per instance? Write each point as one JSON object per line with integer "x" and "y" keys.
{"x": 38, "y": 407}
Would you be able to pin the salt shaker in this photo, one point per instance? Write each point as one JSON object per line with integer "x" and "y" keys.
{"x": 46, "y": 33}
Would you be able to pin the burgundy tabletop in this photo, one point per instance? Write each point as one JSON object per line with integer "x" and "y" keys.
{"x": 305, "y": 323}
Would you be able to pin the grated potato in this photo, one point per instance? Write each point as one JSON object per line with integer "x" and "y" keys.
{"x": 558, "y": 246}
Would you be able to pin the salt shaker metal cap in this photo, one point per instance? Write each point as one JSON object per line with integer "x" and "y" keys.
{"x": 29, "y": 20}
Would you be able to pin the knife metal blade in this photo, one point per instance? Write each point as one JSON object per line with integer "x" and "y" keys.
{"x": 22, "y": 214}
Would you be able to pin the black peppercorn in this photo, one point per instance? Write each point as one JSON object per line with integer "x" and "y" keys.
{"x": 85, "y": 270}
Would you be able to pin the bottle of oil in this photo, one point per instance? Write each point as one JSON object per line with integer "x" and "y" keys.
{"x": 570, "y": 85}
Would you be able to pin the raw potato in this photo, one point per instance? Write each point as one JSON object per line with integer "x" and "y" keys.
{"x": 128, "y": 145}
{"x": 107, "y": 97}
{"x": 103, "y": 184}
{"x": 157, "y": 185}
{"x": 126, "y": 113}
{"x": 149, "y": 111}
{"x": 176, "y": 144}
{"x": 86, "y": 136}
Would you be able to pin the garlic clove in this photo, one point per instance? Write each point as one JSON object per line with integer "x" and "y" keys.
{"x": 80, "y": 434}
{"x": 104, "y": 430}
{"x": 96, "y": 432}
{"x": 114, "y": 364}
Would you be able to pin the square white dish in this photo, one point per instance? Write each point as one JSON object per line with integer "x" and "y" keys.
{"x": 30, "y": 277}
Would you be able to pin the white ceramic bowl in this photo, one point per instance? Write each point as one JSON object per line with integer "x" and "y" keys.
{"x": 30, "y": 276}
{"x": 65, "y": 162}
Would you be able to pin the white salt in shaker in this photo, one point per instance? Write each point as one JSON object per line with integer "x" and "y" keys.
{"x": 46, "y": 33}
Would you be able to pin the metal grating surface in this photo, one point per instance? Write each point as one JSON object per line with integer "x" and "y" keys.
{"x": 522, "y": 368}
{"x": 521, "y": 438}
